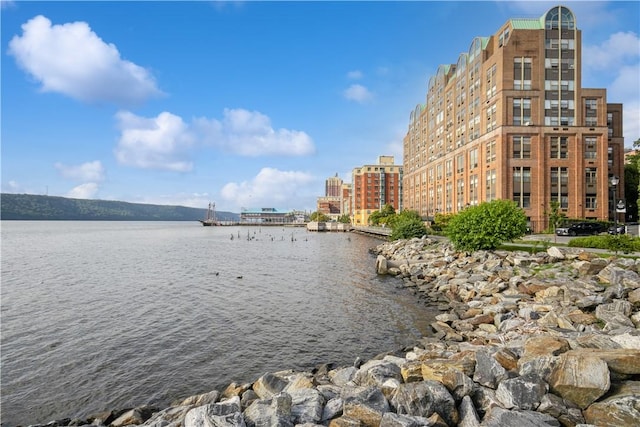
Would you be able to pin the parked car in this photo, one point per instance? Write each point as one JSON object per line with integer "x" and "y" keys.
{"x": 620, "y": 229}
{"x": 581, "y": 229}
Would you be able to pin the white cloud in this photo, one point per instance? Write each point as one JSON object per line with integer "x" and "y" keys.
{"x": 619, "y": 49}
{"x": 89, "y": 171}
{"x": 72, "y": 60}
{"x": 249, "y": 133}
{"x": 617, "y": 62}
{"x": 358, "y": 93}
{"x": 83, "y": 191}
{"x": 355, "y": 74}
{"x": 626, "y": 90}
{"x": 165, "y": 141}
{"x": 12, "y": 187}
{"x": 270, "y": 188}
{"x": 156, "y": 143}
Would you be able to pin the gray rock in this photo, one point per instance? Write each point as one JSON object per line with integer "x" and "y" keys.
{"x": 500, "y": 417}
{"x": 488, "y": 371}
{"x": 222, "y": 414}
{"x": 390, "y": 419}
{"x": 307, "y": 406}
{"x": 468, "y": 414}
{"x": 376, "y": 372}
{"x": 366, "y": 404}
{"x": 332, "y": 409}
{"x": 273, "y": 412}
{"x": 269, "y": 385}
{"x": 424, "y": 399}
{"x": 524, "y": 392}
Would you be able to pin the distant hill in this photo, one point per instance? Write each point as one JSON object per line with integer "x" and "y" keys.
{"x": 34, "y": 207}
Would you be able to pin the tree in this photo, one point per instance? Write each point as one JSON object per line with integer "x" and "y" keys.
{"x": 387, "y": 210}
{"x": 631, "y": 187}
{"x": 555, "y": 216}
{"x": 344, "y": 218}
{"x": 319, "y": 217}
{"x": 382, "y": 216}
{"x": 375, "y": 218}
{"x": 487, "y": 225}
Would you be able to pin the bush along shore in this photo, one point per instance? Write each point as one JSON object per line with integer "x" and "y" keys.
{"x": 545, "y": 339}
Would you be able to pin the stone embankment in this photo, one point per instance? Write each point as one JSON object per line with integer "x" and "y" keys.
{"x": 545, "y": 339}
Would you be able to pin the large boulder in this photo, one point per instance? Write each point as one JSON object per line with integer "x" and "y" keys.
{"x": 580, "y": 378}
{"x": 425, "y": 398}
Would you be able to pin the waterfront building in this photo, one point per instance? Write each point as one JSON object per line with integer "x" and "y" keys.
{"x": 511, "y": 120}
{"x": 374, "y": 186}
{"x": 268, "y": 216}
{"x": 330, "y": 206}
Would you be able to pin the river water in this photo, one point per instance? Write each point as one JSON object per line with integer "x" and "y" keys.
{"x": 107, "y": 315}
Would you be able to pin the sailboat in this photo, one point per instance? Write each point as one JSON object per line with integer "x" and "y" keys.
{"x": 210, "y": 219}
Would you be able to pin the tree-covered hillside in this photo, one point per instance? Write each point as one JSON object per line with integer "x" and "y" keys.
{"x": 34, "y": 207}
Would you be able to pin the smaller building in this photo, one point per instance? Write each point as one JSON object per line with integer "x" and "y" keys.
{"x": 374, "y": 186}
{"x": 267, "y": 216}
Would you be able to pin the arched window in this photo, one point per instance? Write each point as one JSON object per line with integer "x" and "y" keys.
{"x": 474, "y": 49}
{"x": 462, "y": 64}
{"x": 560, "y": 17}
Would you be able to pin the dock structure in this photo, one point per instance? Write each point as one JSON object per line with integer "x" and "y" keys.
{"x": 372, "y": 231}
{"x": 328, "y": 226}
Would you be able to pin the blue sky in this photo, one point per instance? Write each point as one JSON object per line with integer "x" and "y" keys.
{"x": 246, "y": 104}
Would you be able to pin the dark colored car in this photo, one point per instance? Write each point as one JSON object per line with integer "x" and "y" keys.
{"x": 581, "y": 229}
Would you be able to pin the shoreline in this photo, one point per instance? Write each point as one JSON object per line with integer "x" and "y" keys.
{"x": 550, "y": 338}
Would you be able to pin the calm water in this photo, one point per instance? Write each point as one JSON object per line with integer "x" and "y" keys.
{"x": 106, "y": 315}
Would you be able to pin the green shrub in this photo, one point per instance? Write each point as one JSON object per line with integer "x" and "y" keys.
{"x": 407, "y": 228}
{"x": 487, "y": 225}
{"x": 620, "y": 243}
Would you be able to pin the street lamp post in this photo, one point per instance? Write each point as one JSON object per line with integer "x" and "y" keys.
{"x": 614, "y": 183}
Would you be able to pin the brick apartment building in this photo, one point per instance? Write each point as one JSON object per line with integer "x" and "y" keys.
{"x": 374, "y": 186}
{"x": 511, "y": 120}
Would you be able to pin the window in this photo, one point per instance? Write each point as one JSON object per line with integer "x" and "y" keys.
{"x": 473, "y": 158}
{"x": 591, "y": 202}
{"x": 559, "y": 147}
{"x": 521, "y": 111}
{"x": 449, "y": 168}
{"x": 460, "y": 163}
{"x": 473, "y": 190}
{"x": 591, "y": 178}
{"x": 560, "y": 186}
{"x": 491, "y": 118}
{"x": 590, "y": 147}
{"x": 521, "y": 147}
{"x": 491, "y": 185}
{"x": 491, "y": 81}
{"x": 522, "y": 186}
{"x": 460, "y": 193}
{"x": 522, "y": 73}
{"x": 491, "y": 151}
{"x": 591, "y": 121}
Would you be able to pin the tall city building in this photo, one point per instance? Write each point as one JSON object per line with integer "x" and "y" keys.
{"x": 331, "y": 203}
{"x": 511, "y": 120}
{"x": 333, "y": 187}
{"x": 374, "y": 186}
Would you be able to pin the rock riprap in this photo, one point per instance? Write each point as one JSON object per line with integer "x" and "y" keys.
{"x": 543, "y": 339}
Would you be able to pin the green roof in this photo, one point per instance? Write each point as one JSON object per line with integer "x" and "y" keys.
{"x": 527, "y": 23}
